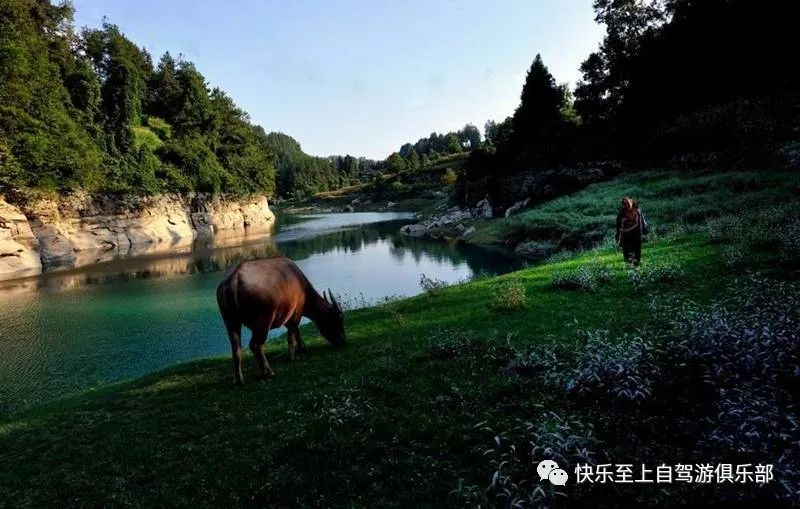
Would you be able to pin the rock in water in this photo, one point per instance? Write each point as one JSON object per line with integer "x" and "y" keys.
{"x": 414, "y": 230}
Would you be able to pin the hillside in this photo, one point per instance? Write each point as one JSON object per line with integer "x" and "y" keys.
{"x": 450, "y": 396}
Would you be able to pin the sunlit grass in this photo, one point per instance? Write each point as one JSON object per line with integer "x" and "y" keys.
{"x": 390, "y": 420}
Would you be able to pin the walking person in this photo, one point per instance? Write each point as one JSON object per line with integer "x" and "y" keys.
{"x": 630, "y": 227}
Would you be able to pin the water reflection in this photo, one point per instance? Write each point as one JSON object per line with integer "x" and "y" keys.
{"x": 299, "y": 237}
{"x": 64, "y": 332}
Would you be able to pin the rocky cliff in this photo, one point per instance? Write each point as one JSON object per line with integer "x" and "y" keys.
{"x": 78, "y": 229}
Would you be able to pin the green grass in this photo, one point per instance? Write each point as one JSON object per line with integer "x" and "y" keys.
{"x": 388, "y": 421}
{"x": 377, "y": 423}
{"x": 667, "y": 198}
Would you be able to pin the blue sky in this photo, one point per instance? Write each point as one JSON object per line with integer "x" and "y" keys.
{"x": 357, "y": 76}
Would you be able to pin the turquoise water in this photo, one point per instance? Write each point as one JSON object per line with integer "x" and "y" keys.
{"x": 66, "y": 332}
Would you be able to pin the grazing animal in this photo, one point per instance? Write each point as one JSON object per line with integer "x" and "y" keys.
{"x": 268, "y": 294}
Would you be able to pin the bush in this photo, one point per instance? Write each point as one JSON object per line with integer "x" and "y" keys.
{"x": 789, "y": 240}
{"x": 432, "y": 287}
{"x": 647, "y": 277}
{"x": 723, "y": 380}
{"x": 733, "y": 256}
{"x": 508, "y": 296}
{"x": 160, "y": 127}
{"x": 449, "y": 178}
{"x": 145, "y": 138}
{"x": 586, "y": 278}
{"x": 514, "y": 455}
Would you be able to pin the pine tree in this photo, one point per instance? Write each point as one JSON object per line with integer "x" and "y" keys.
{"x": 540, "y": 105}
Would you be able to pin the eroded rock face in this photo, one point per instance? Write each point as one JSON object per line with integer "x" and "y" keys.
{"x": 78, "y": 229}
{"x": 19, "y": 254}
{"x": 211, "y": 214}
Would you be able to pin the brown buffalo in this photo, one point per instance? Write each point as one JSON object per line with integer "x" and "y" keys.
{"x": 268, "y": 294}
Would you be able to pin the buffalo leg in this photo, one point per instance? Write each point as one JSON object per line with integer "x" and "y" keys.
{"x": 257, "y": 347}
{"x": 301, "y": 345}
{"x": 292, "y": 335}
{"x": 235, "y": 335}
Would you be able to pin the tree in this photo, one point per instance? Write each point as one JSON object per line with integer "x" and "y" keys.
{"x": 405, "y": 150}
{"x": 453, "y": 143}
{"x": 40, "y": 136}
{"x": 121, "y": 102}
{"x": 395, "y": 163}
{"x": 414, "y": 161}
{"x": 470, "y": 136}
{"x": 165, "y": 90}
{"x": 194, "y": 112}
{"x": 540, "y": 106}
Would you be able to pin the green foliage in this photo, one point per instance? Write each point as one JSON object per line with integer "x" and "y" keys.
{"x": 299, "y": 174}
{"x": 395, "y": 163}
{"x": 159, "y": 126}
{"x": 414, "y": 162}
{"x": 432, "y": 287}
{"x": 196, "y": 160}
{"x": 670, "y": 200}
{"x": 89, "y": 111}
{"x": 540, "y": 108}
{"x": 36, "y": 125}
{"x": 449, "y": 178}
{"x": 587, "y": 278}
{"x": 508, "y": 296}
{"x": 145, "y": 137}
{"x": 650, "y": 277}
{"x": 630, "y": 92}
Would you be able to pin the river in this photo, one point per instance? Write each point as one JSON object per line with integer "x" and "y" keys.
{"x": 66, "y": 332}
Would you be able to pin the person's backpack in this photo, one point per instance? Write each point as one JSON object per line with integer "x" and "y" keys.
{"x": 643, "y": 222}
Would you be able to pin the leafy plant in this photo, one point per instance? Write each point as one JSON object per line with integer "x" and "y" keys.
{"x": 648, "y": 276}
{"x": 508, "y": 296}
{"x": 431, "y": 286}
{"x": 587, "y": 278}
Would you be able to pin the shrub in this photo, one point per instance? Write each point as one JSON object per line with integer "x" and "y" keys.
{"x": 432, "y": 287}
{"x": 647, "y": 277}
{"x": 789, "y": 241}
{"x": 733, "y": 256}
{"x": 160, "y": 127}
{"x": 586, "y": 278}
{"x": 145, "y": 138}
{"x": 514, "y": 455}
{"x": 723, "y": 380}
{"x": 449, "y": 178}
{"x": 508, "y": 296}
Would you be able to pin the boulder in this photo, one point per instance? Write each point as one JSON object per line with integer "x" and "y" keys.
{"x": 469, "y": 231}
{"x": 517, "y": 206}
{"x": 55, "y": 249}
{"x": 535, "y": 249}
{"x": 483, "y": 209}
{"x": 414, "y": 230}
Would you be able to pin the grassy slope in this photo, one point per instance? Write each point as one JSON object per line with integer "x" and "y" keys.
{"x": 381, "y": 422}
{"x": 667, "y": 198}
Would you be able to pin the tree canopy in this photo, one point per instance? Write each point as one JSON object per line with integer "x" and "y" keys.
{"x": 89, "y": 110}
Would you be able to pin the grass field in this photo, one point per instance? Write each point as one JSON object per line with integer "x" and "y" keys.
{"x": 419, "y": 409}
{"x": 667, "y": 198}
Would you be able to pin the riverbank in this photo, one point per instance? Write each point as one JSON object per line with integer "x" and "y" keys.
{"x": 584, "y": 219}
{"x": 41, "y": 233}
{"x": 432, "y": 392}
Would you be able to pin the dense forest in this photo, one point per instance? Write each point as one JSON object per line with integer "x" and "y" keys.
{"x": 427, "y": 151}
{"x": 90, "y": 109}
{"x": 299, "y": 174}
{"x": 671, "y": 78}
